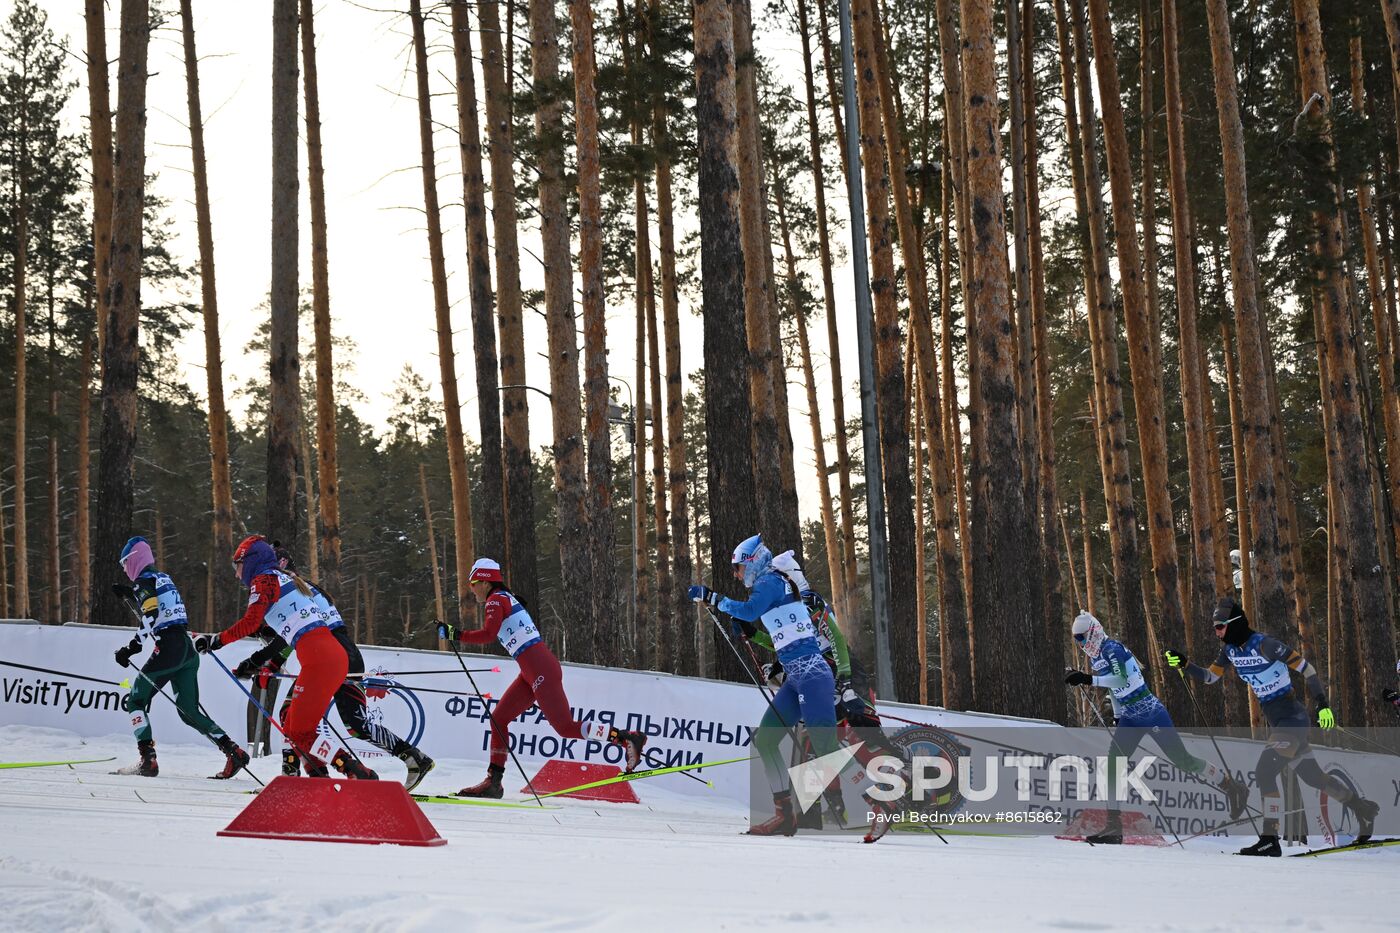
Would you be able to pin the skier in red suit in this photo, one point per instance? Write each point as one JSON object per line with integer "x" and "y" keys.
{"x": 540, "y": 680}
{"x": 286, "y": 605}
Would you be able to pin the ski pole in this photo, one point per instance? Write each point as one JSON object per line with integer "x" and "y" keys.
{"x": 452, "y": 643}
{"x": 130, "y": 604}
{"x": 45, "y": 670}
{"x": 1361, "y": 738}
{"x": 1113, "y": 740}
{"x": 161, "y": 691}
{"x": 273, "y": 720}
{"x": 1197, "y": 709}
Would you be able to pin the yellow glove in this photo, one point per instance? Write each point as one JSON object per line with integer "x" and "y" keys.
{"x": 1175, "y": 658}
{"x": 1325, "y": 719}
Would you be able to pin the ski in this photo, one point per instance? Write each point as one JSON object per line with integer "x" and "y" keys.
{"x": 483, "y": 802}
{"x": 1351, "y": 847}
{"x": 639, "y": 775}
{"x": 49, "y": 764}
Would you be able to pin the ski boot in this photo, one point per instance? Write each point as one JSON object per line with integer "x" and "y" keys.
{"x": 783, "y": 822}
{"x": 291, "y": 763}
{"x": 1266, "y": 846}
{"x": 147, "y": 766}
{"x": 835, "y": 804}
{"x": 418, "y": 764}
{"x": 811, "y": 818}
{"x": 882, "y": 818}
{"x": 352, "y": 767}
{"x": 491, "y": 787}
{"x": 1365, "y": 812}
{"x": 630, "y": 740}
{"x": 1236, "y": 795}
{"x": 315, "y": 768}
{"x": 1112, "y": 833}
{"x": 236, "y": 759}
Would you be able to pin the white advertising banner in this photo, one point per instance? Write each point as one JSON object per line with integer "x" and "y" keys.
{"x": 65, "y": 677}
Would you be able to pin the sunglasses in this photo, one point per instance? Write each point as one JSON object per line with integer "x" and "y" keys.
{"x": 1081, "y": 637}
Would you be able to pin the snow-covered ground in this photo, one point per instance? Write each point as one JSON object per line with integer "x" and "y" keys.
{"x": 82, "y": 849}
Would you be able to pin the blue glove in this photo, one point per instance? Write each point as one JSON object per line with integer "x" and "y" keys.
{"x": 447, "y": 631}
{"x": 703, "y": 594}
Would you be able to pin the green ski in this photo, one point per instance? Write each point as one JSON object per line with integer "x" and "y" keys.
{"x": 49, "y": 764}
{"x": 638, "y": 775}
{"x": 1353, "y": 847}
{"x": 483, "y": 802}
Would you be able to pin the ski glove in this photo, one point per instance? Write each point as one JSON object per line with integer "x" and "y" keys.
{"x": 1175, "y": 658}
{"x": 1390, "y": 696}
{"x": 124, "y": 653}
{"x": 1075, "y": 678}
{"x": 1325, "y": 719}
{"x": 852, "y": 706}
{"x": 207, "y": 643}
{"x": 703, "y": 594}
{"x": 773, "y": 673}
{"x": 447, "y": 631}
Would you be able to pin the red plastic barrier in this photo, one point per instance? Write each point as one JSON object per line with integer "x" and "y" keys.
{"x": 335, "y": 810}
{"x": 1138, "y": 828}
{"x": 561, "y": 775}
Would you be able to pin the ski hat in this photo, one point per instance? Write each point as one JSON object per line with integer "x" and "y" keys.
{"x": 1235, "y": 556}
{"x": 753, "y": 556}
{"x": 1231, "y": 624}
{"x": 1088, "y": 633}
{"x": 136, "y": 557}
{"x": 486, "y": 570}
{"x": 256, "y": 556}
{"x": 285, "y": 561}
{"x": 787, "y": 565}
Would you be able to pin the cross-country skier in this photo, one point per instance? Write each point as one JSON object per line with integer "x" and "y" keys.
{"x": 173, "y": 661}
{"x": 1139, "y": 714}
{"x": 808, "y": 687}
{"x": 540, "y": 681}
{"x": 854, "y": 697}
{"x": 1264, "y": 663}
{"x": 286, "y": 606}
{"x": 1391, "y": 696}
{"x": 351, "y": 701}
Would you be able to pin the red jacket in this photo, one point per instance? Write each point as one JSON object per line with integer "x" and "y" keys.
{"x": 497, "y": 608}
{"x": 262, "y": 595}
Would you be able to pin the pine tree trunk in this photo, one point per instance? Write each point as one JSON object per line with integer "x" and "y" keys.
{"x": 21, "y": 234}
{"x": 1025, "y": 377}
{"x": 952, "y": 418}
{"x": 570, "y": 484}
{"x": 956, "y": 668}
{"x": 100, "y": 130}
{"x": 1390, "y": 11}
{"x": 1148, "y": 197}
{"x": 1370, "y": 582}
{"x": 326, "y": 547}
{"x": 1143, "y": 354}
{"x": 82, "y": 556}
{"x": 1213, "y": 704}
{"x": 1241, "y": 467}
{"x": 843, "y": 583}
{"x": 520, "y": 547}
{"x": 757, "y": 300}
{"x": 640, "y": 559}
{"x": 117, "y": 445}
{"x": 1193, "y": 386}
{"x": 313, "y": 538}
{"x": 1003, "y": 595}
{"x": 53, "y": 577}
{"x": 830, "y": 70}
{"x": 221, "y": 486}
{"x": 666, "y": 604}
{"x": 727, "y": 407}
{"x": 4, "y": 564}
{"x": 1380, "y": 319}
{"x": 1092, "y": 600}
{"x": 447, "y": 357}
{"x": 1122, "y": 511}
{"x": 606, "y": 613}
{"x": 284, "y": 360}
{"x": 1270, "y": 601}
{"x": 439, "y": 612}
{"x": 889, "y": 377}
{"x": 1050, "y": 512}
{"x": 681, "y": 638}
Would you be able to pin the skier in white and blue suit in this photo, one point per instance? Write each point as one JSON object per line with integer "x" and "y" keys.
{"x": 805, "y": 695}
{"x": 1264, "y": 663}
{"x": 1139, "y": 714}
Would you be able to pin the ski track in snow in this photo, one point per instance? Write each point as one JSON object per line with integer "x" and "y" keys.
{"x": 83, "y": 849}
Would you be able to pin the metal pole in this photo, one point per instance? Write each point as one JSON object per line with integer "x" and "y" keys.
{"x": 865, "y": 352}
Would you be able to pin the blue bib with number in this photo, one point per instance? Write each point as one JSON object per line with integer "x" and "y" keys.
{"x": 1268, "y": 679}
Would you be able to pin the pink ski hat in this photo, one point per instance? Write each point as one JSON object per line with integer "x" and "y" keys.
{"x": 136, "y": 557}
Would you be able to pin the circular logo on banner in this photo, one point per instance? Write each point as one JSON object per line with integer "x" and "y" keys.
{"x": 1341, "y": 824}
{"x": 390, "y": 701}
{"x": 927, "y": 742}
